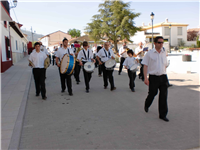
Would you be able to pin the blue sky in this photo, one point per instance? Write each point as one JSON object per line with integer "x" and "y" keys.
{"x": 47, "y": 17}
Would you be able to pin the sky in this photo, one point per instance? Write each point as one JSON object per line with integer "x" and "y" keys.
{"x": 48, "y": 16}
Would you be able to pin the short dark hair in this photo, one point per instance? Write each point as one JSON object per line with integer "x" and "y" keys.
{"x": 158, "y": 37}
{"x": 85, "y": 43}
{"x": 65, "y": 39}
{"x": 98, "y": 48}
{"x": 130, "y": 51}
{"x": 36, "y": 43}
{"x": 75, "y": 41}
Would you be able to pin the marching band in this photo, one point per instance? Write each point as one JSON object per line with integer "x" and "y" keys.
{"x": 70, "y": 61}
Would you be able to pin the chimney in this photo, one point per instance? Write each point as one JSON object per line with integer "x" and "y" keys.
{"x": 166, "y": 20}
{"x": 149, "y": 24}
{"x": 143, "y": 24}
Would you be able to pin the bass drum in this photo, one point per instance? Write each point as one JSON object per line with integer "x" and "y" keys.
{"x": 67, "y": 64}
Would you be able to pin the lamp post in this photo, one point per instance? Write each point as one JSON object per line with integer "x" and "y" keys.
{"x": 152, "y": 17}
{"x": 15, "y": 4}
{"x": 170, "y": 38}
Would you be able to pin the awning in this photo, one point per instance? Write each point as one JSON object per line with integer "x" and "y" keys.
{"x": 4, "y": 14}
{"x": 16, "y": 28}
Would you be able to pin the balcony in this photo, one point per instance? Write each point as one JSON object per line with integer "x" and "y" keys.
{"x": 6, "y": 5}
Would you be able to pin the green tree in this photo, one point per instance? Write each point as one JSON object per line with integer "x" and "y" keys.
{"x": 115, "y": 22}
{"x": 74, "y": 32}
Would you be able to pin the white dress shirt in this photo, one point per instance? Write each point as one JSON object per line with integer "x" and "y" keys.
{"x": 129, "y": 61}
{"x": 81, "y": 55}
{"x": 137, "y": 50}
{"x": 124, "y": 54}
{"x": 105, "y": 55}
{"x": 43, "y": 49}
{"x": 62, "y": 51}
{"x": 38, "y": 59}
{"x": 156, "y": 62}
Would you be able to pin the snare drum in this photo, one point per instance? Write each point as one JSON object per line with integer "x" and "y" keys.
{"x": 89, "y": 67}
{"x": 67, "y": 64}
{"x": 110, "y": 64}
{"x": 134, "y": 67}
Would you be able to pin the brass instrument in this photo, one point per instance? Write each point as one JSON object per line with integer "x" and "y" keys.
{"x": 134, "y": 55}
{"x": 77, "y": 51}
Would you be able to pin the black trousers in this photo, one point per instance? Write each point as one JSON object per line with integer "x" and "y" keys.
{"x": 87, "y": 78}
{"x": 131, "y": 76}
{"x": 53, "y": 60}
{"x": 155, "y": 83}
{"x": 50, "y": 58}
{"x": 65, "y": 78}
{"x": 39, "y": 77}
{"x": 141, "y": 74}
{"x": 107, "y": 74}
{"x": 77, "y": 71}
{"x": 96, "y": 63}
{"x": 99, "y": 67}
{"x": 121, "y": 64}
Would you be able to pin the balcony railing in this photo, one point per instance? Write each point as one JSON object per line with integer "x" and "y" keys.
{"x": 6, "y": 5}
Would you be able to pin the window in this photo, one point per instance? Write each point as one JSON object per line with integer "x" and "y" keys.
{"x": 16, "y": 45}
{"x": 167, "y": 31}
{"x": 5, "y": 24}
{"x": 179, "y": 30}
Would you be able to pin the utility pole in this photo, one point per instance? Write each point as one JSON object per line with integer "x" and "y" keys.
{"x": 32, "y": 35}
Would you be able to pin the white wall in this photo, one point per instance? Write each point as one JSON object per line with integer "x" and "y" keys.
{"x": 138, "y": 37}
{"x": 190, "y": 43}
{"x": 45, "y": 41}
{"x": 155, "y": 30}
{"x": 4, "y": 32}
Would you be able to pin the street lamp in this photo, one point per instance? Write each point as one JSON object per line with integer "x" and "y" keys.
{"x": 15, "y": 4}
{"x": 170, "y": 38}
{"x": 152, "y": 17}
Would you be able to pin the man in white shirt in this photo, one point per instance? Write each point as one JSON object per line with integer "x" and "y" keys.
{"x": 155, "y": 63}
{"x": 123, "y": 56}
{"x": 105, "y": 54}
{"x": 64, "y": 77}
{"x": 37, "y": 58}
{"x": 140, "y": 54}
{"x": 84, "y": 56}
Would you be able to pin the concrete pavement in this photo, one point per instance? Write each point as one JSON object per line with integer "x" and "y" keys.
{"x": 100, "y": 119}
{"x": 103, "y": 119}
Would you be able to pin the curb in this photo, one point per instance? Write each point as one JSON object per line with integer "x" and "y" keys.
{"x": 16, "y": 135}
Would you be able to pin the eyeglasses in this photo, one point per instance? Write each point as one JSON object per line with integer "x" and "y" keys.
{"x": 160, "y": 42}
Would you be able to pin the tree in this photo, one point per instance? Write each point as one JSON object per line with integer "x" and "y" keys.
{"x": 115, "y": 22}
{"x": 74, "y": 32}
{"x": 192, "y": 35}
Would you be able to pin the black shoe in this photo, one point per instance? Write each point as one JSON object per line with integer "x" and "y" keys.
{"x": 119, "y": 73}
{"x": 100, "y": 75}
{"x": 62, "y": 91}
{"x": 71, "y": 94}
{"x": 37, "y": 94}
{"x": 44, "y": 98}
{"x": 164, "y": 118}
{"x": 169, "y": 85}
{"x": 146, "y": 109}
{"x": 142, "y": 79}
{"x": 113, "y": 89}
{"x": 77, "y": 82}
{"x": 105, "y": 87}
{"x": 133, "y": 90}
{"x": 87, "y": 91}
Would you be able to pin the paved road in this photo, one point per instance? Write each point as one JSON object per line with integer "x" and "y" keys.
{"x": 103, "y": 119}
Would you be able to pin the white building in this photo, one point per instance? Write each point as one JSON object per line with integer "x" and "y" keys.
{"x": 178, "y": 33}
{"x": 13, "y": 42}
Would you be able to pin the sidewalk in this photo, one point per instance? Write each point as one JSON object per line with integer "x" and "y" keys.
{"x": 15, "y": 84}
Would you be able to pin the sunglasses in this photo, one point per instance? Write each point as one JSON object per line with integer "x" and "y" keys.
{"x": 160, "y": 42}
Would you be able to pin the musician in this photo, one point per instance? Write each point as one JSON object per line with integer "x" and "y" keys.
{"x": 140, "y": 54}
{"x": 37, "y": 57}
{"x": 129, "y": 61}
{"x": 123, "y": 56}
{"x": 77, "y": 68}
{"x": 155, "y": 63}
{"x": 106, "y": 54}
{"x": 64, "y": 77}
{"x": 84, "y": 56}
